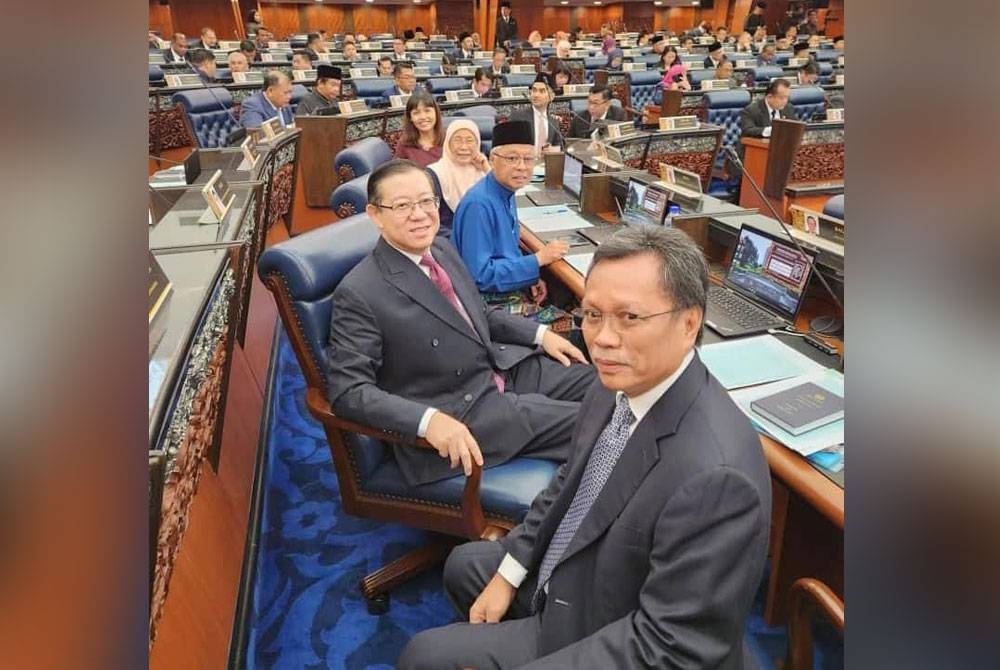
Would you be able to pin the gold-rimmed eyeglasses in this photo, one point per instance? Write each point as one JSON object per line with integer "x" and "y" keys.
{"x": 514, "y": 160}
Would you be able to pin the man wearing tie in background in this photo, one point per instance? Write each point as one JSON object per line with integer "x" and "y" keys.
{"x": 647, "y": 547}
{"x": 506, "y": 26}
{"x": 272, "y": 101}
{"x": 544, "y": 126}
{"x": 414, "y": 350}
{"x": 756, "y": 118}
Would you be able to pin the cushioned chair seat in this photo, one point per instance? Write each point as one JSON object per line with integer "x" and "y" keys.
{"x": 438, "y": 85}
{"x": 361, "y": 158}
{"x": 519, "y": 79}
{"x": 155, "y": 74}
{"x": 825, "y": 73}
{"x": 350, "y": 197}
{"x": 807, "y": 101}
{"x": 506, "y": 490}
{"x": 698, "y": 76}
{"x": 645, "y": 87}
{"x": 765, "y": 73}
{"x": 835, "y": 207}
{"x": 209, "y": 112}
{"x": 371, "y": 89}
{"x": 723, "y": 108}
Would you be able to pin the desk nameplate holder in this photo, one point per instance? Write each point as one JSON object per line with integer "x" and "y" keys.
{"x": 482, "y": 54}
{"x": 695, "y": 65}
{"x": 576, "y": 89}
{"x": 251, "y": 77}
{"x": 463, "y": 94}
{"x": 522, "y": 69}
{"x": 633, "y": 67}
{"x": 746, "y": 64}
{"x": 797, "y": 62}
{"x": 715, "y": 85}
{"x": 467, "y": 70}
{"x": 179, "y": 80}
{"x": 421, "y": 71}
{"x": 793, "y": 81}
{"x": 284, "y": 46}
{"x": 619, "y": 130}
{"x": 250, "y": 155}
{"x": 838, "y": 80}
{"x": 304, "y": 75}
{"x": 273, "y": 128}
{"x": 348, "y": 107}
{"x": 398, "y": 101}
{"x": 513, "y": 91}
{"x": 362, "y": 73}
{"x": 219, "y": 197}
{"x": 835, "y": 114}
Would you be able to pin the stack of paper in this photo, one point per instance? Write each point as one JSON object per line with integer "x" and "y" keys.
{"x": 551, "y": 217}
{"x": 580, "y": 262}
{"x": 755, "y": 360}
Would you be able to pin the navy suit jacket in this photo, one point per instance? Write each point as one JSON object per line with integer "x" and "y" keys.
{"x": 255, "y": 110}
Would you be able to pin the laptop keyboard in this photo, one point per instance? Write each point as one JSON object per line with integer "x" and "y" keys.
{"x": 738, "y": 309}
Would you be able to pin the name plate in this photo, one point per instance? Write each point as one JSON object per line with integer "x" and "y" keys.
{"x": 251, "y": 77}
{"x": 695, "y": 65}
{"x": 746, "y": 64}
{"x": 250, "y": 153}
{"x": 414, "y": 45}
{"x": 221, "y": 55}
{"x": 467, "y": 70}
{"x": 835, "y": 114}
{"x": 229, "y": 45}
{"x": 352, "y": 106}
{"x": 157, "y": 59}
{"x": 579, "y": 53}
{"x": 482, "y": 54}
{"x": 175, "y": 80}
{"x": 371, "y": 46}
{"x": 272, "y": 128}
{"x": 361, "y": 73}
{"x": 326, "y": 57}
{"x": 433, "y": 55}
{"x": 838, "y": 79}
{"x": 679, "y": 122}
{"x": 797, "y": 62}
{"x": 304, "y": 75}
{"x": 794, "y": 81}
{"x": 462, "y": 94}
{"x": 631, "y": 52}
{"x": 439, "y": 38}
{"x": 840, "y": 61}
{"x": 616, "y": 130}
{"x": 633, "y": 67}
{"x": 398, "y": 100}
{"x": 219, "y": 197}
{"x": 817, "y": 223}
{"x": 286, "y": 46}
{"x": 513, "y": 91}
{"x": 705, "y": 39}
{"x": 715, "y": 85}
{"x": 522, "y": 69}
{"x": 576, "y": 89}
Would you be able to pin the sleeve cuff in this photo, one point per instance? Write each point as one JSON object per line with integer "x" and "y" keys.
{"x": 540, "y": 334}
{"x": 424, "y": 421}
{"x": 512, "y": 571}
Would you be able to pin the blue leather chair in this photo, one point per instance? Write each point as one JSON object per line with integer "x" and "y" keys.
{"x": 208, "y": 114}
{"x": 433, "y": 66}
{"x": 781, "y": 57}
{"x": 723, "y": 108}
{"x": 351, "y": 197}
{"x": 438, "y": 85}
{"x": 651, "y": 60}
{"x": 223, "y": 74}
{"x": 763, "y": 74}
{"x": 155, "y": 75}
{"x": 483, "y": 122}
{"x": 825, "y": 72}
{"x": 516, "y": 79}
{"x": 645, "y": 87}
{"x": 807, "y": 101}
{"x": 370, "y": 89}
{"x": 835, "y": 207}
{"x": 361, "y": 158}
{"x": 298, "y": 92}
{"x": 477, "y": 110}
{"x": 698, "y": 76}
{"x": 591, "y": 65}
{"x": 827, "y": 55}
{"x": 302, "y": 275}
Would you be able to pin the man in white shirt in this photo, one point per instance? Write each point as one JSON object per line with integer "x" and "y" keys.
{"x": 647, "y": 547}
{"x": 177, "y": 51}
{"x": 756, "y": 118}
{"x": 544, "y": 126}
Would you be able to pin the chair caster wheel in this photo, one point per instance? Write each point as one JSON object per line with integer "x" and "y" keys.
{"x": 378, "y": 605}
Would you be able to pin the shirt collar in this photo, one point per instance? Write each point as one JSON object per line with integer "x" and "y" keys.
{"x": 413, "y": 257}
{"x": 642, "y": 403}
{"x": 492, "y": 182}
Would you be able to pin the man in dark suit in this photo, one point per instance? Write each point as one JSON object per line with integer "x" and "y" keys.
{"x": 314, "y": 46}
{"x": 715, "y": 56}
{"x": 648, "y": 545}
{"x": 465, "y": 50}
{"x": 406, "y": 81}
{"x": 498, "y": 66}
{"x": 208, "y": 40}
{"x": 203, "y": 61}
{"x": 506, "y": 26}
{"x": 326, "y": 93}
{"x": 599, "y": 108}
{"x": 756, "y": 118}
{"x": 177, "y": 51}
{"x": 414, "y": 349}
{"x": 544, "y": 126}
{"x": 273, "y": 100}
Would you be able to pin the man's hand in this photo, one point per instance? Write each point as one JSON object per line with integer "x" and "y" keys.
{"x": 561, "y": 349}
{"x": 493, "y": 602}
{"x": 539, "y": 292}
{"x": 481, "y": 162}
{"x": 552, "y": 252}
{"x": 453, "y": 440}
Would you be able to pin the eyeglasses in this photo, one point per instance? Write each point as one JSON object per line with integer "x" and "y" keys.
{"x": 516, "y": 160}
{"x": 620, "y": 321}
{"x": 401, "y": 209}
{"x": 458, "y": 139}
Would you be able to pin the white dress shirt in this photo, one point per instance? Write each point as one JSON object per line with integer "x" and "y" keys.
{"x": 541, "y": 121}
{"x": 510, "y": 569}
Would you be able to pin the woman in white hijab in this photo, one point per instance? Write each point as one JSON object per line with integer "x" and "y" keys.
{"x": 462, "y": 164}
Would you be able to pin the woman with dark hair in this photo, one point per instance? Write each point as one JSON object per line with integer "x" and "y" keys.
{"x": 615, "y": 58}
{"x": 422, "y": 138}
{"x": 559, "y": 77}
{"x": 674, "y": 72}
{"x": 253, "y": 22}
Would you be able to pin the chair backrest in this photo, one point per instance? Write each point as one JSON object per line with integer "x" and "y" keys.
{"x": 649, "y": 59}
{"x": 351, "y": 197}
{"x": 765, "y": 73}
{"x": 645, "y": 87}
{"x": 433, "y": 66}
{"x": 698, "y": 76}
{"x": 298, "y": 92}
{"x": 825, "y": 72}
{"x": 303, "y": 273}
{"x": 807, "y": 101}
{"x": 723, "y": 108}
{"x": 439, "y": 85}
{"x": 209, "y": 114}
{"x": 517, "y": 79}
{"x": 371, "y": 89}
{"x": 835, "y": 207}
{"x": 361, "y": 158}
{"x": 223, "y": 74}
{"x": 155, "y": 74}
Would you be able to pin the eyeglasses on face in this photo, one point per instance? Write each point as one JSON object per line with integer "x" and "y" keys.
{"x": 514, "y": 160}
{"x": 592, "y": 319}
{"x": 401, "y": 209}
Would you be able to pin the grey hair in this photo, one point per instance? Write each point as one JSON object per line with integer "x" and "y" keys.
{"x": 274, "y": 78}
{"x": 685, "y": 271}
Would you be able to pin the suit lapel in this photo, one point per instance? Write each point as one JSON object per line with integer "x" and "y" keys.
{"x": 466, "y": 291}
{"x": 402, "y": 273}
{"x": 640, "y": 455}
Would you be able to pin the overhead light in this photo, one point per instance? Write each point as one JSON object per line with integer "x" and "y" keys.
{"x": 657, "y": 2}
{"x": 563, "y": 2}
{"x": 597, "y": 2}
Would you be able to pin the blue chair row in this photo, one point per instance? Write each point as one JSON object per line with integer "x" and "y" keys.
{"x": 209, "y": 113}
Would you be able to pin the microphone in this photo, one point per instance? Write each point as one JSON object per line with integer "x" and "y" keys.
{"x": 165, "y": 160}
{"x": 733, "y": 156}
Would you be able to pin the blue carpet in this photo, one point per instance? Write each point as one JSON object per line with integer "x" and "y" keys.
{"x": 308, "y": 611}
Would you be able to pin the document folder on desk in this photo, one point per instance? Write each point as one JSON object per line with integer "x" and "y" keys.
{"x": 755, "y": 360}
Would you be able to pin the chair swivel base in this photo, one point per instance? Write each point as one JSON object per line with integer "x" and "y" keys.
{"x": 376, "y": 586}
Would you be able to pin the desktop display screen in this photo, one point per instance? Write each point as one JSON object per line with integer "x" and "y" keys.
{"x": 654, "y": 204}
{"x": 644, "y": 204}
{"x": 572, "y": 174}
{"x": 773, "y": 272}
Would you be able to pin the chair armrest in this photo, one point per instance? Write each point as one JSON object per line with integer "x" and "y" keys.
{"x": 473, "y": 518}
{"x": 808, "y": 596}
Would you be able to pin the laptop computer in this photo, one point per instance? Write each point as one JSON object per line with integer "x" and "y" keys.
{"x": 572, "y": 180}
{"x": 763, "y": 288}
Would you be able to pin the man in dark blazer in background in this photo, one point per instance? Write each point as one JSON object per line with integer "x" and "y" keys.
{"x": 599, "y": 108}
{"x": 178, "y": 49}
{"x": 541, "y": 95}
{"x": 506, "y": 26}
{"x": 415, "y": 350}
{"x": 756, "y": 118}
{"x": 647, "y": 547}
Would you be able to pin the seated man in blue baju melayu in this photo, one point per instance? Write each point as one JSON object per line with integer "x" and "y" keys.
{"x": 485, "y": 227}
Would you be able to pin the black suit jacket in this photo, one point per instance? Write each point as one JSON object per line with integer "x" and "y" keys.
{"x": 397, "y": 347}
{"x": 663, "y": 570}
{"x": 755, "y": 118}
{"x": 555, "y": 137}
{"x": 581, "y": 125}
{"x": 506, "y": 30}
{"x": 168, "y": 56}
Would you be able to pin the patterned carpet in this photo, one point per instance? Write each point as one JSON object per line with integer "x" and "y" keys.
{"x": 308, "y": 611}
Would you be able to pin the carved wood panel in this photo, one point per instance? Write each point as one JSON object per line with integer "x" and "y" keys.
{"x": 816, "y": 162}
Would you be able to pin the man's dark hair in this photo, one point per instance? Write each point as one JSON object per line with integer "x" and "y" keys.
{"x": 684, "y": 270}
{"x": 811, "y": 68}
{"x": 273, "y": 78}
{"x": 300, "y": 52}
{"x": 398, "y": 68}
{"x": 500, "y": 50}
{"x": 247, "y": 45}
{"x": 408, "y": 34}
{"x": 312, "y": 37}
{"x": 505, "y": 3}
{"x": 602, "y": 90}
{"x": 462, "y": 35}
{"x": 199, "y": 56}
{"x": 391, "y": 169}
{"x": 482, "y": 73}
{"x": 776, "y": 85}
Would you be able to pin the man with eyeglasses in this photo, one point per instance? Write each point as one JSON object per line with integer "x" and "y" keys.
{"x": 414, "y": 350}
{"x": 485, "y": 228}
{"x": 599, "y": 109}
{"x": 648, "y": 545}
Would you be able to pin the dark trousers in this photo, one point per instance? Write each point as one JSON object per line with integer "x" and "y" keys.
{"x": 511, "y": 643}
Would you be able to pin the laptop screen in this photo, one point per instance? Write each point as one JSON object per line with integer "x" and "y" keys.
{"x": 572, "y": 174}
{"x": 770, "y": 271}
{"x": 654, "y": 204}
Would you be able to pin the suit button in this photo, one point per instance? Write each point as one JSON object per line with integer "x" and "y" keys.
{"x": 503, "y": 347}
{"x": 434, "y": 342}
{"x": 468, "y": 397}
{"x": 458, "y": 372}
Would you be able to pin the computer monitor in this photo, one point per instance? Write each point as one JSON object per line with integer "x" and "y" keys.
{"x": 632, "y": 211}
{"x": 654, "y": 204}
{"x": 572, "y": 174}
{"x": 769, "y": 270}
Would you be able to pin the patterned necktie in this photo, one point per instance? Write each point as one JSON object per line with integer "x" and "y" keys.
{"x": 602, "y": 461}
{"x": 441, "y": 280}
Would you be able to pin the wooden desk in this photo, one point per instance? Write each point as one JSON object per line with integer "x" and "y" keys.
{"x": 807, "y": 517}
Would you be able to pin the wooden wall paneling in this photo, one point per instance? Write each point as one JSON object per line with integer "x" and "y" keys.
{"x": 831, "y": 20}
{"x": 281, "y": 19}
{"x": 331, "y": 18}
{"x": 408, "y": 17}
{"x": 368, "y": 20}
{"x": 454, "y": 16}
{"x": 190, "y": 16}
{"x": 161, "y": 19}
{"x": 553, "y": 19}
{"x": 638, "y": 16}
{"x": 739, "y": 14}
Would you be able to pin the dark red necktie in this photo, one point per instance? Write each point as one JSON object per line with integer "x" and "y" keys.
{"x": 441, "y": 280}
